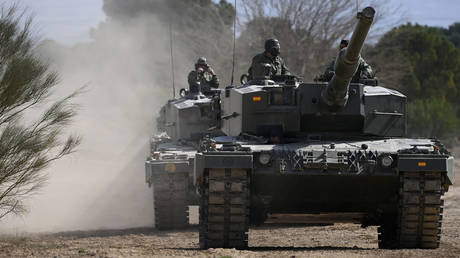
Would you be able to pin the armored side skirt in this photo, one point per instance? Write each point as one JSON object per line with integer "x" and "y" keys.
{"x": 155, "y": 168}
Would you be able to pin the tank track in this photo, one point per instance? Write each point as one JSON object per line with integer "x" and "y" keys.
{"x": 224, "y": 209}
{"x": 419, "y": 218}
{"x": 170, "y": 200}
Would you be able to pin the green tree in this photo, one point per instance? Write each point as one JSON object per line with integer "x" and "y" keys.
{"x": 29, "y": 142}
{"x": 453, "y": 34}
{"x": 424, "y": 64}
{"x": 423, "y": 61}
{"x": 432, "y": 117}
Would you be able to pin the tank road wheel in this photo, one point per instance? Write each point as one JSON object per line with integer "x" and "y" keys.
{"x": 224, "y": 209}
{"x": 419, "y": 218}
{"x": 170, "y": 200}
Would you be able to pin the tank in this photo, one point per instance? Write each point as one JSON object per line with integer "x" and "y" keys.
{"x": 182, "y": 122}
{"x": 321, "y": 153}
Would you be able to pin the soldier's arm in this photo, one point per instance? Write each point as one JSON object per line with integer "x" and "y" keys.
{"x": 329, "y": 73}
{"x": 250, "y": 73}
{"x": 284, "y": 69}
{"x": 214, "y": 83}
{"x": 251, "y": 68}
{"x": 192, "y": 78}
{"x": 365, "y": 68}
{"x": 258, "y": 67}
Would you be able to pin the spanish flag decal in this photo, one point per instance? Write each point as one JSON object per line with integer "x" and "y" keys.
{"x": 422, "y": 164}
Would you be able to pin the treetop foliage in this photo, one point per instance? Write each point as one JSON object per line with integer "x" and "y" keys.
{"x": 453, "y": 33}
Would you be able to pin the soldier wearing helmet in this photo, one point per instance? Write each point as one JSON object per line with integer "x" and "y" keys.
{"x": 268, "y": 63}
{"x": 364, "y": 69}
{"x": 202, "y": 78}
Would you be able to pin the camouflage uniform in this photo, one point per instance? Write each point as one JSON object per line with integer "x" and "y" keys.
{"x": 277, "y": 66}
{"x": 364, "y": 71}
{"x": 206, "y": 80}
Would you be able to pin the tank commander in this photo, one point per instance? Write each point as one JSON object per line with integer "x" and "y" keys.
{"x": 268, "y": 63}
{"x": 203, "y": 78}
{"x": 364, "y": 70}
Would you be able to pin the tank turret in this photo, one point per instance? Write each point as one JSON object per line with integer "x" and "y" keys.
{"x": 191, "y": 116}
{"x": 340, "y": 106}
{"x": 335, "y": 95}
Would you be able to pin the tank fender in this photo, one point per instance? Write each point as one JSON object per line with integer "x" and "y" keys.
{"x": 153, "y": 168}
{"x": 220, "y": 160}
{"x": 428, "y": 163}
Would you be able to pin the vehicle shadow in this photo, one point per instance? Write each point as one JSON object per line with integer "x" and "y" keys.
{"x": 290, "y": 248}
{"x": 306, "y": 248}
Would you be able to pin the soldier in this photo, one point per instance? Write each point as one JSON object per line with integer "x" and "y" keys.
{"x": 202, "y": 78}
{"x": 268, "y": 63}
{"x": 364, "y": 69}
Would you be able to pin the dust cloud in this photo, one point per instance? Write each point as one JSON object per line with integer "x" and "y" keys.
{"x": 126, "y": 68}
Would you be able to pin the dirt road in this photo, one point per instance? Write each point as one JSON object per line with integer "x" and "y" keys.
{"x": 331, "y": 241}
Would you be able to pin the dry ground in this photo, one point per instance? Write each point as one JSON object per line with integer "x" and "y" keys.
{"x": 341, "y": 240}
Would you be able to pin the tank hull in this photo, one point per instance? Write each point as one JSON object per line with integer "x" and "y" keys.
{"x": 326, "y": 193}
{"x": 396, "y": 184}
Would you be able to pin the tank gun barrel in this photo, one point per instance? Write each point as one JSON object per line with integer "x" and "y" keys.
{"x": 335, "y": 95}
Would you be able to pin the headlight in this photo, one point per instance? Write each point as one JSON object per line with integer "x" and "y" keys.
{"x": 387, "y": 161}
{"x": 264, "y": 158}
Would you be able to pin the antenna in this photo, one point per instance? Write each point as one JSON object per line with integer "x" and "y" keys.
{"x": 172, "y": 55}
{"x": 234, "y": 43}
{"x": 357, "y": 6}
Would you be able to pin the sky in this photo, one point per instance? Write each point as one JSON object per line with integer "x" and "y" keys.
{"x": 440, "y": 13}
{"x": 66, "y": 21}
{"x": 69, "y": 21}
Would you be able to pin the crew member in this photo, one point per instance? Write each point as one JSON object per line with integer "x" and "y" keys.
{"x": 203, "y": 78}
{"x": 364, "y": 70}
{"x": 268, "y": 63}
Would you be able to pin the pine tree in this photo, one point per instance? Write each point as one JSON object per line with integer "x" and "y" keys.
{"x": 27, "y": 145}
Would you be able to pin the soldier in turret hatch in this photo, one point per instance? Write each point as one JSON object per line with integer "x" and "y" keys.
{"x": 268, "y": 63}
{"x": 202, "y": 78}
{"x": 364, "y": 70}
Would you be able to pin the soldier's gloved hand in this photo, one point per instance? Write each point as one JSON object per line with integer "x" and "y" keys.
{"x": 329, "y": 76}
{"x": 211, "y": 71}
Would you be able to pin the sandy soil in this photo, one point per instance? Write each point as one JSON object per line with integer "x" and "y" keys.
{"x": 340, "y": 240}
